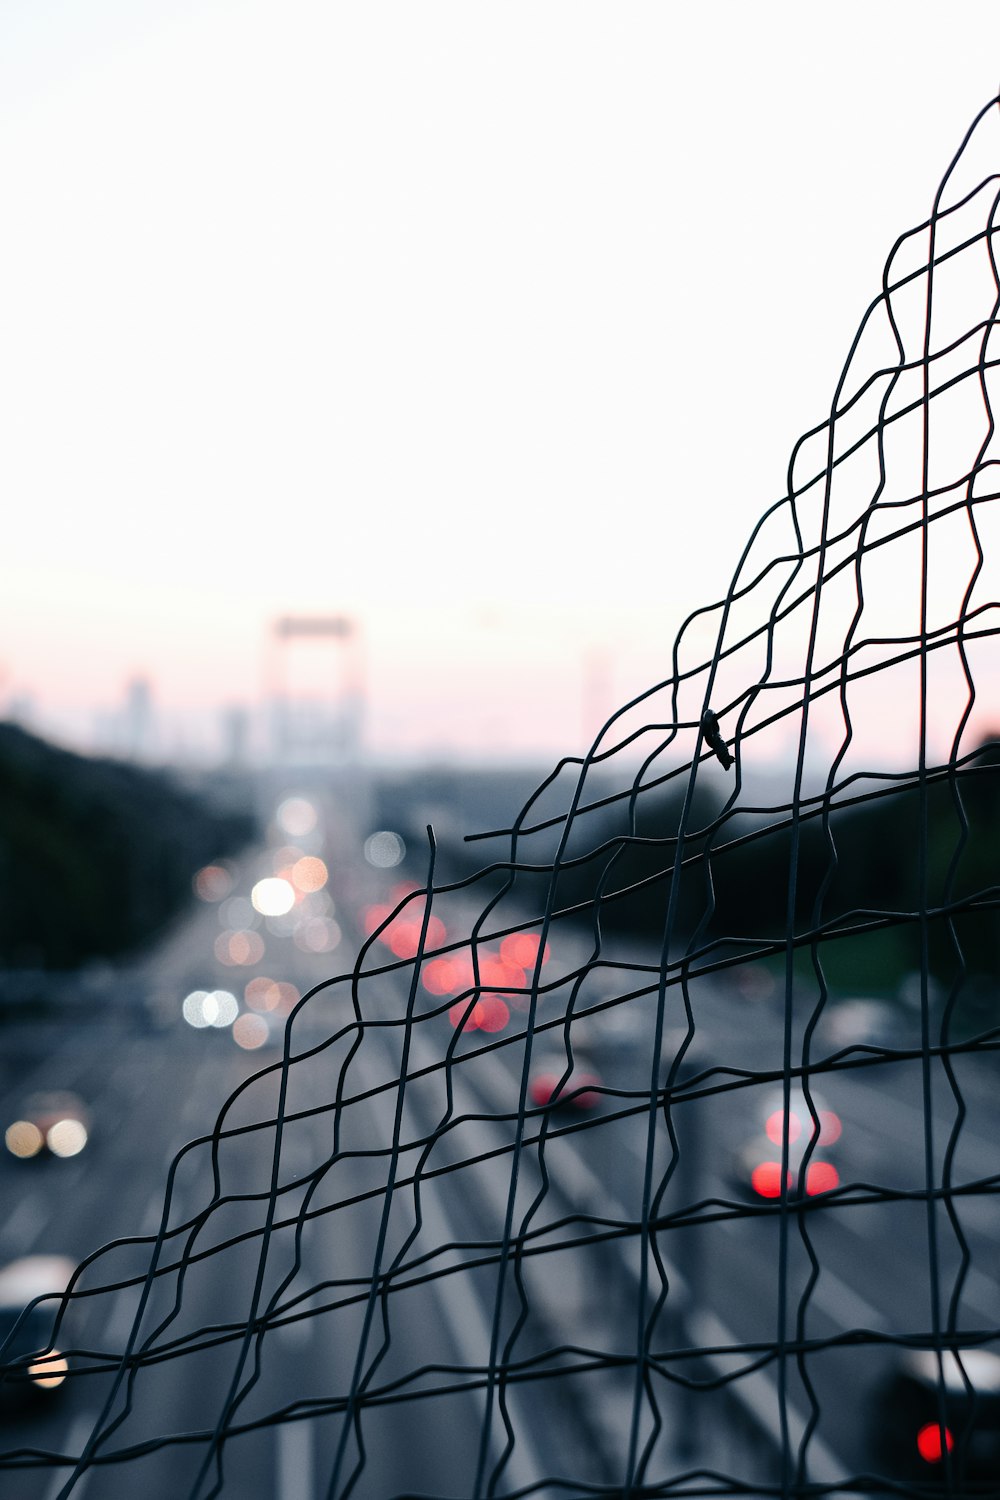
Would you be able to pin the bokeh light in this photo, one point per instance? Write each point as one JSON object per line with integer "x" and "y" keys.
{"x": 402, "y": 934}
{"x": 193, "y": 1008}
{"x": 452, "y": 974}
{"x": 373, "y": 916}
{"x": 296, "y": 816}
{"x": 239, "y": 948}
{"x": 821, "y": 1177}
{"x": 543, "y": 1086}
{"x": 775, "y": 1123}
{"x": 755, "y": 982}
{"x": 491, "y": 1013}
{"x": 288, "y": 999}
{"x": 250, "y": 1031}
{"x": 262, "y": 993}
{"x": 444, "y": 976}
{"x": 66, "y": 1137}
{"x": 23, "y": 1139}
{"x": 49, "y": 1372}
{"x": 273, "y": 896}
{"x": 765, "y": 1179}
{"x": 461, "y": 1017}
{"x": 317, "y": 935}
{"x": 580, "y": 1096}
{"x": 309, "y": 874}
{"x": 213, "y": 883}
{"x": 385, "y": 849}
{"x": 226, "y": 1008}
{"x": 499, "y": 974}
{"x": 210, "y": 1008}
{"x": 521, "y": 948}
{"x": 929, "y": 1444}
{"x": 488, "y": 1014}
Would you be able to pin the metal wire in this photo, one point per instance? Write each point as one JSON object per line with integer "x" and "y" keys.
{"x": 848, "y": 670}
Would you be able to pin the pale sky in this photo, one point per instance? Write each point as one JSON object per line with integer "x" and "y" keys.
{"x": 489, "y": 325}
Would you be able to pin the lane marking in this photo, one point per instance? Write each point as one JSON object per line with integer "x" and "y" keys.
{"x": 195, "y": 1102}
{"x": 297, "y": 1335}
{"x": 122, "y": 1316}
{"x": 842, "y": 1305}
{"x": 76, "y": 1440}
{"x": 845, "y": 1307}
{"x": 979, "y": 1294}
{"x": 889, "y": 1119}
{"x": 25, "y": 1224}
{"x": 755, "y": 1390}
{"x": 465, "y": 1317}
{"x": 150, "y": 1224}
{"x": 56, "y": 1065}
{"x": 120, "y": 1321}
{"x": 294, "y": 1461}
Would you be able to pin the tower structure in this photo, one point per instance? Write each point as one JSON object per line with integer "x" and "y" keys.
{"x": 315, "y": 689}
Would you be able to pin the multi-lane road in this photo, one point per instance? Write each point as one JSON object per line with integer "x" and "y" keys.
{"x": 264, "y": 1360}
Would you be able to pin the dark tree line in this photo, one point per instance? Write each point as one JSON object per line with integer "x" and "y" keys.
{"x": 96, "y": 856}
{"x": 862, "y": 860}
{"x": 869, "y": 861}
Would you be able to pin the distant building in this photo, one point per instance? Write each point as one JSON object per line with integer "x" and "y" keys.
{"x": 139, "y": 737}
{"x": 235, "y": 735}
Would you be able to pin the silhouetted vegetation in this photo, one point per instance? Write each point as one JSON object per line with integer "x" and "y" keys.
{"x": 864, "y": 864}
{"x": 853, "y": 869}
{"x": 96, "y": 856}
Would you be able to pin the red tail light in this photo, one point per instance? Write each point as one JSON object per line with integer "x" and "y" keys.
{"x": 821, "y": 1177}
{"x": 766, "y": 1179}
{"x": 929, "y": 1444}
{"x": 542, "y": 1088}
{"x": 775, "y": 1125}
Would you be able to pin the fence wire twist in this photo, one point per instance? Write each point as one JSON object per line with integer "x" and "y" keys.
{"x": 849, "y": 670}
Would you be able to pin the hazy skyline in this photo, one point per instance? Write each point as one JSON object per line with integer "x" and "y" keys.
{"x": 491, "y": 327}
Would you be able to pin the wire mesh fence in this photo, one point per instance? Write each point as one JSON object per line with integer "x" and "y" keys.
{"x": 601, "y": 1173}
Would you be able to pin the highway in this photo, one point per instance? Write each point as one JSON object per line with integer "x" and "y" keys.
{"x": 212, "y": 1409}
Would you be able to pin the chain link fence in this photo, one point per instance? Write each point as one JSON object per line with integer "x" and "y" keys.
{"x": 648, "y": 1149}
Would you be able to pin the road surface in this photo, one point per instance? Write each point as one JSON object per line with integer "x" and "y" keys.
{"x": 213, "y": 1410}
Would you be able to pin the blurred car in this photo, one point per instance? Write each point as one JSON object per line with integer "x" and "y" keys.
{"x": 757, "y": 1160}
{"x": 862, "y": 1022}
{"x": 48, "y": 1124}
{"x": 908, "y": 1438}
{"x": 32, "y": 1368}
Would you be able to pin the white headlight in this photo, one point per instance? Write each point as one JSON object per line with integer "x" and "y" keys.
{"x": 66, "y": 1137}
